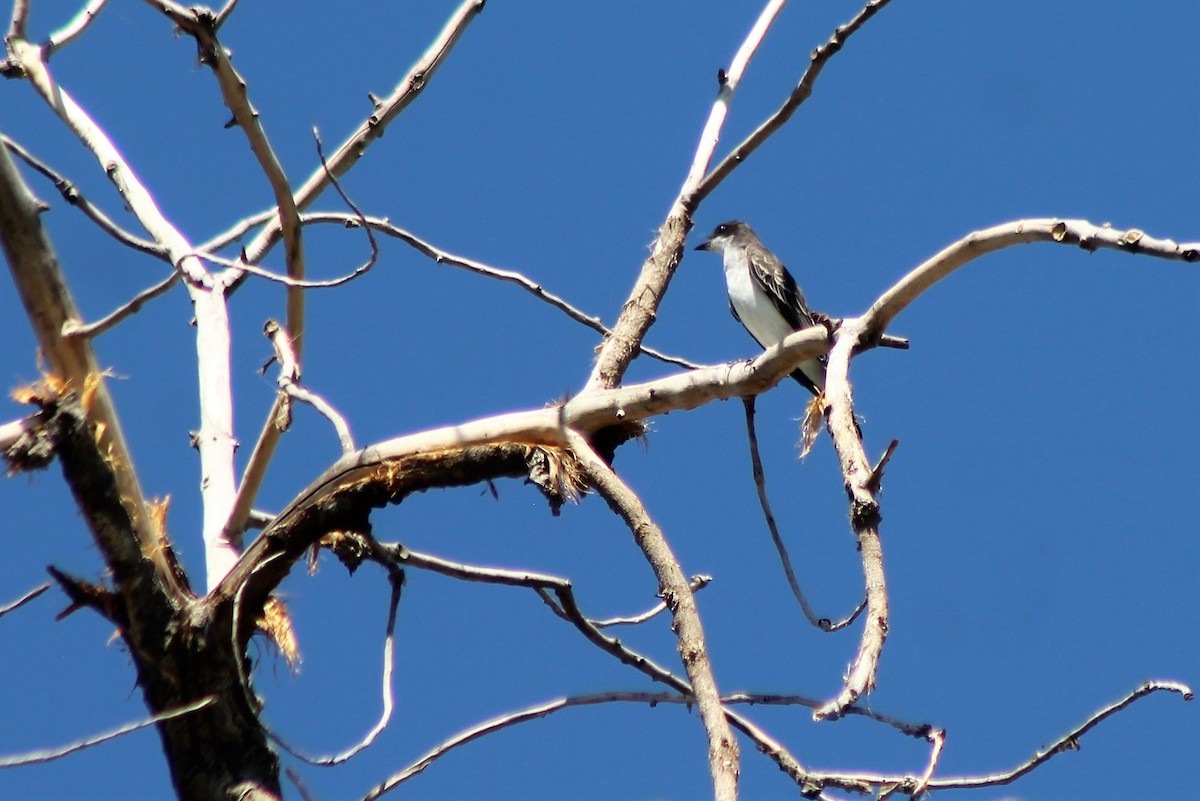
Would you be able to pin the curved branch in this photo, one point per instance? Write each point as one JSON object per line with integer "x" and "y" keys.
{"x": 760, "y": 483}
{"x": 1067, "y": 742}
{"x": 479, "y": 268}
{"x": 723, "y": 757}
{"x": 1020, "y": 232}
{"x": 396, "y": 579}
{"x": 862, "y": 486}
{"x": 74, "y": 328}
{"x": 485, "y": 439}
{"x": 567, "y": 608}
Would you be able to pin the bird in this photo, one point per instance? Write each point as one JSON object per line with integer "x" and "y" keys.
{"x": 763, "y": 296}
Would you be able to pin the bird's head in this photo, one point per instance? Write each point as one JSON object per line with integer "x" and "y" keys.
{"x": 724, "y": 234}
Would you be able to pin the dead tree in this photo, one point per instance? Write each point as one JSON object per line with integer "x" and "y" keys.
{"x": 190, "y": 638}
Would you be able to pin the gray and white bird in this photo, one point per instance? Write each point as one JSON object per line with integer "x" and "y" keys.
{"x": 763, "y": 296}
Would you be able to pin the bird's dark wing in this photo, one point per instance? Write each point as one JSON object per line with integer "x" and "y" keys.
{"x": 781, "y": 288}
{"x": 786, "y": 297}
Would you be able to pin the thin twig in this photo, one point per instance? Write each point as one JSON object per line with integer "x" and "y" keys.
{"x": 239, "y": 229}
{"x": 385, "y": 226}
{"x": 224, "y": 13}
{"x": 760, "y": 483}
{"x": 24, "y": 599}
{"x": 542, "y": 710}
{"x": 358, "y": 215}
{"x": 386, "y": 110}
{"x": 938, "y": 738}
{"x": 696, "y": 584}
{"x": 566, "y": 602}
{"x": 511, "y": 276}
{"x": 289, "y": 387}
{"x": 727, "y": 84}
{"x": 275, "y": 277}
{"x": 291, "y": 772}
{"x": 74, "y": 328}
{"x": 75, "y": 198}
{"x": 876, "y": 476}
{"x": 396, "y": 578}
{"x": 48, "y": 755}
{"x": 488, "y": 727}
{"x": 74, "y": 27}
{"x": 1067, "y": 742}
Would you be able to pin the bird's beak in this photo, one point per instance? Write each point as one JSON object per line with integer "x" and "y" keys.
{"x": 705, "y": 245}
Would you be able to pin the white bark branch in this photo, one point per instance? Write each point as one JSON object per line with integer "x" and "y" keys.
{"x": 74, "y": 27}
{"x": 723, "y": 756}
{"x": 215, "y": 441}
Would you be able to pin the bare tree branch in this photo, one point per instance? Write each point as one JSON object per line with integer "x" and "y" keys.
{"x": 696, "y": 584}
{"x": 74, "y": 328}
{"x": 20, "y": 20}
{"x": 723, "y": 755}
{"x": 727, "y": 84}
{"x": 760, "y": 482}
{"x": 595, "y": 409}
{"x": 886, "y": 785}
{"x": 1020, "y": 232}
{"x": 1067, "y": 742}
{"x": 24, "y": 599}
{"x": 224, "y": 13}
{"x": 529, "y": 285}
{"x": 49, "y": 755}
{"x": 570, "y": 611}
{"x": 289, "y": 387}
{"x": 74, "y": 27}
{"x": 237, "y": 231}
{"x": 396, "y": 579}
{"x": 49, "y": 304}
{"x": 861, "y": 486}
{"x": 75, "y": 198}
{"x": 201, "y": 24}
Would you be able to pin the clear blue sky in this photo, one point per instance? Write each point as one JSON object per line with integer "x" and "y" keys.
{"x": 1039, "y": 522}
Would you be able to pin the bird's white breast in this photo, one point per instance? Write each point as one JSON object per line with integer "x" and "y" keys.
{"x": 753, "y": 307}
